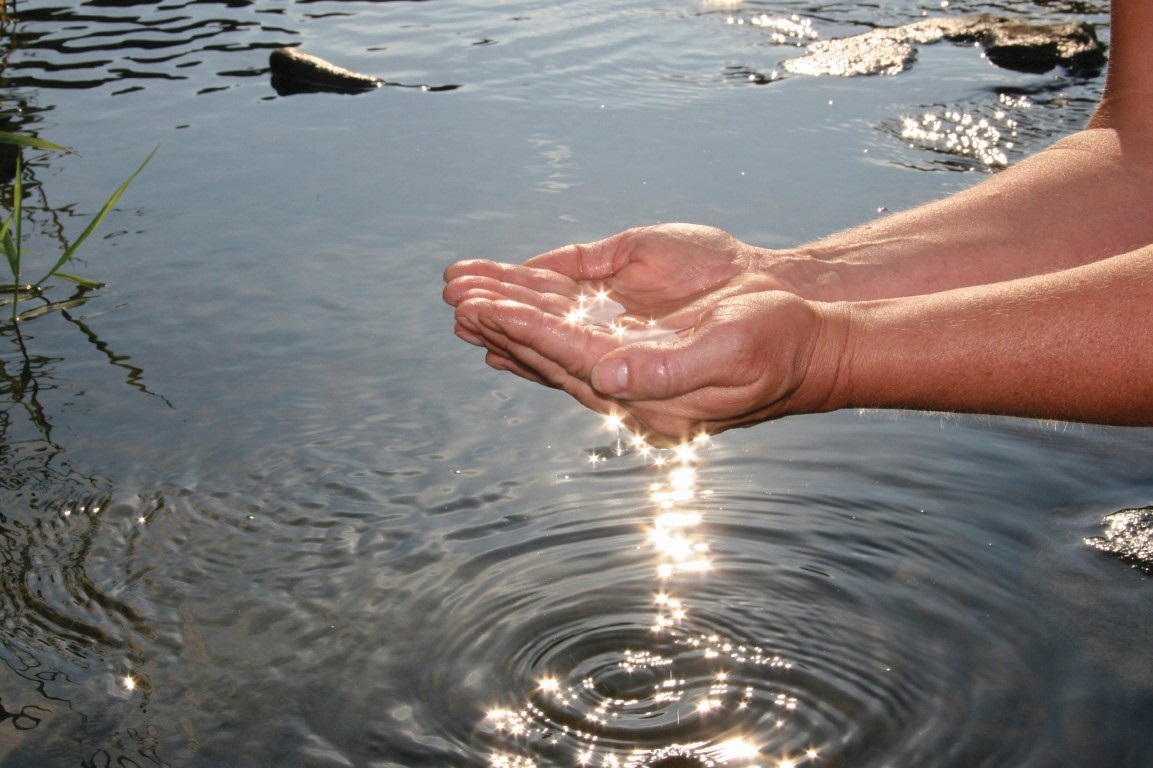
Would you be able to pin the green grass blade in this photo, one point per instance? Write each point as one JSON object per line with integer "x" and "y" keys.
{"x": 67, "y": 255}
{"x": 11, "y": 251}
{"x": 21, "y": 140}
{"x": 83, "y": 282}
{"x": 14, "y": 239}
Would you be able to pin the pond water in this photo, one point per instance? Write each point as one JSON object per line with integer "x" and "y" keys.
{"x": 259, "y": 507}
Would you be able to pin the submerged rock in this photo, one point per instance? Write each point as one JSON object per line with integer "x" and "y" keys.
{"x": 873, "y": 53}
{"x": 1008, "y": 43}
{"x": 296, "y": 72}
{"x": 1128, "y": 535}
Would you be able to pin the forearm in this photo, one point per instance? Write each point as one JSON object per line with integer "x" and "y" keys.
{"x": 1075, "y": 345}
{"x": 1086, "y": 198}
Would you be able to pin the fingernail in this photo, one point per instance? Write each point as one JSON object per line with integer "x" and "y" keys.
{"x": 611, "y": 377}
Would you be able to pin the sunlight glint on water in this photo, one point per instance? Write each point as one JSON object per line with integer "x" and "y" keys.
{"x": 591, "y": 718}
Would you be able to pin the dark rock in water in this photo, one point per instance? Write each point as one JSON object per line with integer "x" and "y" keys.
{"x": 1007, "y": 43}
{"x": 1039, "y": 48}
{"x": 296, "y": 72}
{"x": 1128, "y": 535}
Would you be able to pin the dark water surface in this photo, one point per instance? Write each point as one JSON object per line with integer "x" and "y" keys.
{"x": 259, "y": 507}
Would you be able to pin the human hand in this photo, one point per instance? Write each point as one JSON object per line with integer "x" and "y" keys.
{"x": 747, "y": 358}
{"x": 670, "y": 272}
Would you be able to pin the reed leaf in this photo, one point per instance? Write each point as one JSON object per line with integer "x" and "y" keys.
{"x": 83, "y": 282}
{"x": 68, "y": 253}
{"x": 11, "y": 250}
{"x": 32, "y": 142}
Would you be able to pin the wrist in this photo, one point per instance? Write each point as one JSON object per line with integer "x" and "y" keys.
{"x": 826, "y": 385}
{"x": 816, "y": 274}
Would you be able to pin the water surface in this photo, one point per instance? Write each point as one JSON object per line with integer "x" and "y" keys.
{"x": 260, "y": 508}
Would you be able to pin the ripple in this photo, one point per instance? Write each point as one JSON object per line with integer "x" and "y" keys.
{"x": 89, "y": 47}
{"x": 986, "y": 135}
{"x": 716, "y": 630}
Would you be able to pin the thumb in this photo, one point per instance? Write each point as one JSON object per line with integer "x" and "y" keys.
{"x": 654, "y": 371}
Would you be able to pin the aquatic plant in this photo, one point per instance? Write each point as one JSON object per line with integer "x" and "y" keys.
{"x": 29, "y": 456}
{"x": 11, "y": 238}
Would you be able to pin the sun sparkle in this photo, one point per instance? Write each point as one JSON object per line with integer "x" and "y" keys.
{"x": 736, "y": 749}
{"x": 577, "y": 316}
{"x": 707, "y": 705}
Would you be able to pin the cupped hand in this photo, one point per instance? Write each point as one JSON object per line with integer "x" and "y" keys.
{"x": 668, "y": 272}
{"x": 747, "y": 358}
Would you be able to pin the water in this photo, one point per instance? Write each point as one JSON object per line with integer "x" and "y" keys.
{"x": 260, "y": 508}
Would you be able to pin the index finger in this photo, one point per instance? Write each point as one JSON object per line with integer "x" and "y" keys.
{"x": 598, "y": 260}
{"x": 536, "y": 279}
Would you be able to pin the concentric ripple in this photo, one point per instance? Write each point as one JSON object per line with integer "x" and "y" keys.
{"x": 637, "y": 696}
{"x": 714, "y": 630}
{"x": 632, "y": 675}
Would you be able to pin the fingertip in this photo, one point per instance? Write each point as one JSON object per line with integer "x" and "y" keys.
{"x": 475, "y": 268}
{"x": 468, "y": 335}
{"x": 647, "y": 371}
{"x": 610, "y": 376}
{"x": 451, "y": 294}
{"x": 458, "y": 268}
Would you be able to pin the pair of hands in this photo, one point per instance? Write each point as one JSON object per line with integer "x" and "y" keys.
{"x": 740, "y": 345}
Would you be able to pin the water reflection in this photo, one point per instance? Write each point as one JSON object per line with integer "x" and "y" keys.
{"x": 985, "y": 134}
{"x": 655, "y": 613}
{"x": 65, "y": 629}
{"x": 669, "y": 696}
{"x": 982, "y": 133}
{"x": 144, "y": 42}
{"x": 25, "y": 377}
{"x": 67, "y": 633}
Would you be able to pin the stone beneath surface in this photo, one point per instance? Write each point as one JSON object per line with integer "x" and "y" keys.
{"x": 873, "y": 53}
{"x": 1008, "y": 43}
{"x": 1128, "y": 535}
